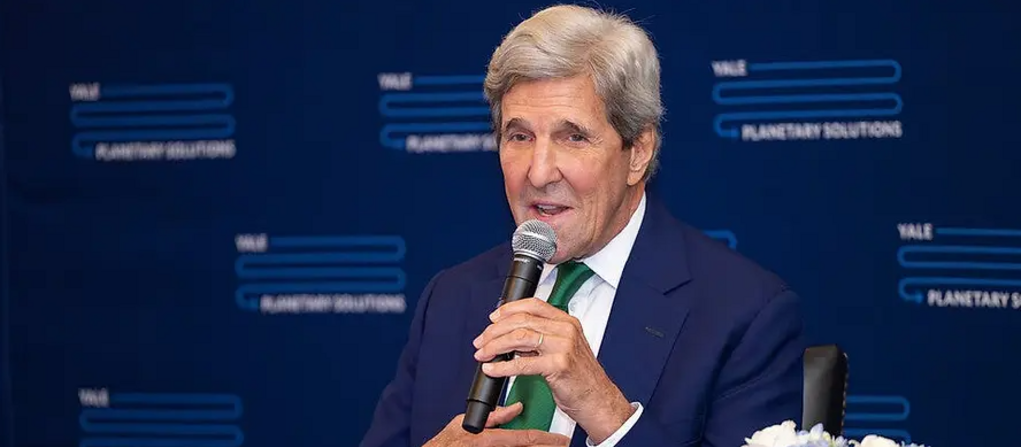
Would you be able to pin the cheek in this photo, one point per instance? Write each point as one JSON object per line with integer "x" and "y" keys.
{"x": 590, "y": 177}
{"x": 512, "y": 161}
{"x": 514, "y": 172}
{"x": 599, "y": 183}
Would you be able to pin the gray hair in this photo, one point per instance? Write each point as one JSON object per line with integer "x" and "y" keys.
{"x": 568, "y": 40}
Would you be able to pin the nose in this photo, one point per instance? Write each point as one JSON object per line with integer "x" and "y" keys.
{"x": 544, "y": 170}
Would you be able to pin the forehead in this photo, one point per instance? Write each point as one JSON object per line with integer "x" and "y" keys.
{"x": 552, "y": 100}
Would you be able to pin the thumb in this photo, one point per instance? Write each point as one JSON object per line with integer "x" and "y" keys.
{"x": 503, "y": 415}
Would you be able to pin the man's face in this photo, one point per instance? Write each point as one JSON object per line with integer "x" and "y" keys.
{"x": 564, "y": 163}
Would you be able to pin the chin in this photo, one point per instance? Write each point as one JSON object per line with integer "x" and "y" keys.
{"x": 558, "y": 258}
{"x": 565, "y": 252}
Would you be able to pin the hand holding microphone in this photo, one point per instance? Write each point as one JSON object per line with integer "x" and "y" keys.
{"x": 534, "y": 243}
{"x": 549, "y": 342}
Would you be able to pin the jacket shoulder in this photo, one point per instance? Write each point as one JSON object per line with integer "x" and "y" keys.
{"x": 482, "y": 267}
{"x": 718, "y": 267}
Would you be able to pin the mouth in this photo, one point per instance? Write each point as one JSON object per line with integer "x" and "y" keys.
{"x": 546, "y": 210}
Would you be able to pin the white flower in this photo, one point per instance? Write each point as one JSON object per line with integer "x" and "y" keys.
{"x": 878, "y": 441}
{"x": 782, "y": 435}
{"x": 813, "y": 436}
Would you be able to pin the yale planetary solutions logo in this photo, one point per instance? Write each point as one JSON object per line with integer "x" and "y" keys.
{"x": 152, "y": 122}
{"x": 159, "y": 419}
{"x": 434, "y": 113}
{"x": 340, "y": 274}
{"x": 960, "y": 268}
{"x": 807, "y": 100}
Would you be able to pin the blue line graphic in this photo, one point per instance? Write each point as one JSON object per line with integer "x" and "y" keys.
{"x": 891, "y": 433}
{"x": 818, "y": 82}
{"x": 892, "y": 101}
{"x": 365, "y": 276}
{"x": 794, "y": 99}
{"x": 178, "y": 398}
{"x": 901, "y": 408}
{"x": 163, "y": 429}
{"x": 978, "y": 232}
{"x": 815, "y": 65}
{"x": 450, "y": 80}
{"x": 321, "y": 272}
{"x": 81, "y": 111}
{"x": 396, "y": 242}
{"x": 155, "y": 121}
{"x": 158, "y": 442}
{"x": 884, "y": 408}
{"x": 169, "y": 426}
{"x": 142, "y": 106}
{"x": 725, "y": 235}
{"x": 389, "y": 99}
{"x": 121, "y": 91}
{"x": 958, "y": 249}
{"x": 158, "y": 415}
{"x": 918, "y": 297}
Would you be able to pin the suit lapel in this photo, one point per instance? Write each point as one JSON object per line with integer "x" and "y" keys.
{"x": 644, "y": 320}
{"x": 639, "y": 338}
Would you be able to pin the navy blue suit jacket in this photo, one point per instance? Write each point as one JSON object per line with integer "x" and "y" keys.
{"x": 709, "y": 342}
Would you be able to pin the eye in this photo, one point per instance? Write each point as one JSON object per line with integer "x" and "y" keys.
{"x": 577, "y": 138}
{"x": 517, "y": 137}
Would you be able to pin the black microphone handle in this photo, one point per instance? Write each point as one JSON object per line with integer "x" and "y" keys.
{"x": 485, "y": 391}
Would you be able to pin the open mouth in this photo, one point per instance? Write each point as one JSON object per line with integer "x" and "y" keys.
{"x": 549, "y": 210}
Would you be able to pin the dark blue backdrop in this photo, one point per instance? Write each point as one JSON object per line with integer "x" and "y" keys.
{"x": 225, "y": 211}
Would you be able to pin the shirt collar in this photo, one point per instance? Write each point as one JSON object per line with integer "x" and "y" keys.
{"x": 609, "y": 262}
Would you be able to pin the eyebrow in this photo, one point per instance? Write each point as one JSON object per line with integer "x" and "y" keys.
{"x": 560, "y": 126}
{"x": 573, "y": 127}
{"x": 515, "y": 123}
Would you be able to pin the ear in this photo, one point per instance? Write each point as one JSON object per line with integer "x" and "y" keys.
{"x": 641, "y": 156}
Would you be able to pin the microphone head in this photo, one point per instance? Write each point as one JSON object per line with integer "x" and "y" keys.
{"x": 536, "y": 239}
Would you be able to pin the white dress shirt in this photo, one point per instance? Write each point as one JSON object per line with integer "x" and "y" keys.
{"x": 591, "y": 305}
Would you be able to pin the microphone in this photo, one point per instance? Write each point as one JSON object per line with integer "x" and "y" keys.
{"x": 534, "y": 243}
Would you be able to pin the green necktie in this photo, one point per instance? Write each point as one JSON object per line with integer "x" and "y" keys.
{"x": 533, "y": 390}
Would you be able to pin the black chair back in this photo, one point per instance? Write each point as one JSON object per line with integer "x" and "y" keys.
{"x": 825, "y": 399}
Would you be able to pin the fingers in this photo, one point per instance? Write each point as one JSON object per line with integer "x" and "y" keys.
{"x": 522, "y": 340}
{"x": 518, "y": 321}
{"x": 504, "y": 326}
{"x": 526, "y": 333}
{"x": 525, "y": 438}
{"x": 533, "y": 306}
{"x": 544, "y": 365}
{"x": 497, "y": 436}
{"x": 503, "y": 415}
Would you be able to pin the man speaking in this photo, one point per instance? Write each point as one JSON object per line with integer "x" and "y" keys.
{"x": 643, "y": 331}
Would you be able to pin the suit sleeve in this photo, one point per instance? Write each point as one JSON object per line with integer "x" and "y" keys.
{"x": 761, "y": 384}
{"x": 391, "y": 420}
